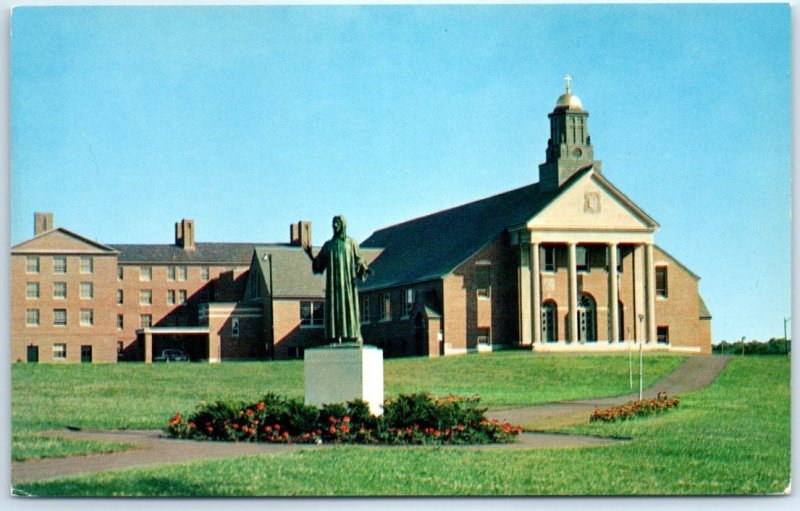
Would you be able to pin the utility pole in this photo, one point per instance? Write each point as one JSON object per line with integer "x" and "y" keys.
{"x": 630, "y": 364}
{"x": 785, "y": 338}
{"x": 743, "y": 337}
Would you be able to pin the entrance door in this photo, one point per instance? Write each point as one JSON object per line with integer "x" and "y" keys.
{"x": 420, "y": 336}
{"x": 86, "y": 354}
{"x": 586, "y": 320}
{"x": 33, "y": 354}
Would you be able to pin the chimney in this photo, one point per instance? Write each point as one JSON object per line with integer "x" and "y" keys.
{"x": 184, "y": 234}
{"x": 300, "y": 234}
{"x": 42, "y": 222}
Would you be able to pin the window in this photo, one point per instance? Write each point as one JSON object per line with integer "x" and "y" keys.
{"x": 204, "y": 273}
{"x": 120, "y": 297}
{"x": 364, "y": 309}
{"x": 170, "y": 273}
{"x": 386, "y": 306}
{"x": 87, "y": 264}
{"x": 581, "y": 263}
{"x": 120, "y": 347}
{"x": 59, "y": 317}
{"x": 32, "y": 317}
{"x": 59, "y": 264}
{"x": 87, "y": 317}
{"x": 312, "y": 313}
{"x": 408, "y": 303}
{"x": 32, "y": 264}
{"x": 661, "y": 281}
{"x": 146, "y": 297}
{"x": 235, "y": 328}
{"x": 549, "y": 322}
{"x": 120, "y": 322}
{"x": 484, "y": 336}
{"x": 170, "y": 297}
{"x": 59, "y": 351}
{"x": 483, "y": 280}
{"x": 549, "y": 258}
{"x": 182, "y": 273}
{"x": 145, "y": 320}
{"x": 620, "y": 255}
{"x": 32, "y": 290}
{"x": 145, "y": 273}
{"x": 120, "y": 273}
{"x": 87, "y": 290}
{"x": 662, "y": 335}
{"x": 182, "y": 296}
{"x": 59, "y": 289}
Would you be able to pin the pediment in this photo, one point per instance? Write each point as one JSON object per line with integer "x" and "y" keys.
{"x": 61, "y": 241}
{"x": 592, "y": 203}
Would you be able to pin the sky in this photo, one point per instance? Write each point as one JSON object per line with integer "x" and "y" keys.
{"x": 246, "y": 119}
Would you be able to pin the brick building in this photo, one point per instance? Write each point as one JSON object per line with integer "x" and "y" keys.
{"x": 565, "y": 264}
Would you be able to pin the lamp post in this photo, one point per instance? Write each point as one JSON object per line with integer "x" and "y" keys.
{"x": 743, "y": 337}
{"x": 641, "y": 357}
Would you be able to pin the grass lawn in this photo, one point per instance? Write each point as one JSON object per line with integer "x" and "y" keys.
{"x": 139, "y": 396}
{"x": 731, "y": 438}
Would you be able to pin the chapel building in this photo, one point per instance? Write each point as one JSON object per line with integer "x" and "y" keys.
{"x": 565, "y": 264}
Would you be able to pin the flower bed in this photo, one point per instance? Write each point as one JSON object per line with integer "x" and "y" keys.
{"x": 408, "y": 419}
{"x": 633, "y": 409}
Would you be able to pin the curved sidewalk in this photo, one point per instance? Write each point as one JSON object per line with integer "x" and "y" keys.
{"x": 694, "y": 374}
{"x": 154, "y": 449}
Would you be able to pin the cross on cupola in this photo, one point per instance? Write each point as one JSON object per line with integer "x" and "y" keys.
{"x": 569, "y": 148}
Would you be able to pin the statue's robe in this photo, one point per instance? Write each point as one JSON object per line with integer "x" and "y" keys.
{"x": 341, "y": 261}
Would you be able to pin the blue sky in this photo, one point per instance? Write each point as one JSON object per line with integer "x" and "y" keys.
{"x": 246, "y": 119}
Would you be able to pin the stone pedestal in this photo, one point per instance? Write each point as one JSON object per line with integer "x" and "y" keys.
{"x": 338, "y": 373}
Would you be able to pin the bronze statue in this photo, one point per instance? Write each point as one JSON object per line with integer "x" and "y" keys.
{"x": 341, "y": 261}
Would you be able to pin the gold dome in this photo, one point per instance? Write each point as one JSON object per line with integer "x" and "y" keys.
{"x": 569, "y": 101}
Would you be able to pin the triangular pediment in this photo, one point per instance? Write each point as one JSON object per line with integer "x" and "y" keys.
{"x": 61, "y": 240}
{"x": 592, "y": 203}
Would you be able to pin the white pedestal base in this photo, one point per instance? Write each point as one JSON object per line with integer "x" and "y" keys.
{"x": 340, "y": 372}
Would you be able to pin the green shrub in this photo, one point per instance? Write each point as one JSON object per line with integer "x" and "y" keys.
{"x": 408, "y": 419}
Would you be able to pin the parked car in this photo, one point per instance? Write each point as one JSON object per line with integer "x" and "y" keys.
{"x": 172, "y": 355}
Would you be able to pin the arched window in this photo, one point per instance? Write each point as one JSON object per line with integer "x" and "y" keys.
{"x": 587, "y": 314}
{"x": 549, "y": 322}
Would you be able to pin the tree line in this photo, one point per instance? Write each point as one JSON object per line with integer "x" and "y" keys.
{"x": 775, "y": 346}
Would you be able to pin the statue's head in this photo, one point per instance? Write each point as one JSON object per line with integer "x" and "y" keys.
{"x": 339, "y": 226}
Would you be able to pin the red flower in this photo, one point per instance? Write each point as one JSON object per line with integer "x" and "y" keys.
{"x": 277, "y": 427}
{"x": 235, "y": 426}
{"x": 332, "y": 430}
{"x": 176, "y": 419}
{"x": 260, "y": 406}
{"x": 346, "y": 419}
{"x": 249, "y": 412}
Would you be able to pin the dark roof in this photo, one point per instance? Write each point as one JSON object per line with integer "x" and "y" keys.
{"x": 233, "y": 253}
{"x": 433, "y": 246}
{"x": 703, "y": 311}
{"x": 291, "y": 271}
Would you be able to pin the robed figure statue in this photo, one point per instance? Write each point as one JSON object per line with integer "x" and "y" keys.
{"x": 341, "y": 261}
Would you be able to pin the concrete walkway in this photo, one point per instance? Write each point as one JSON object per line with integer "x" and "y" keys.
{"x": 694, "y": 374}
{"x": 154, "y": 449}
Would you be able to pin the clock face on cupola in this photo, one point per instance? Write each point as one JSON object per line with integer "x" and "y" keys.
{"x": 569, "y": 148}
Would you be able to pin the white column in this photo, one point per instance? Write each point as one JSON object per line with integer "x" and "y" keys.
{"x": 573, "y": 293}
{"x": 650, "y": 321}
{"x": 536, "y": 294}
{"x": 639, "y": 301}
{"x": 613, "y": 294}
{"x": 523, "y": 281}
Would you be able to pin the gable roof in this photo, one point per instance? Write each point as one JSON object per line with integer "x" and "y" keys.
{"x": 432, "y": 246}
{"x": 291, "y": 270}
{"x": 26, "y": 246}
{"x": 222, "y": 253}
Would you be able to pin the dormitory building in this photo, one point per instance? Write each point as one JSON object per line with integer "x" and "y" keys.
{"x": 566, "y": 264}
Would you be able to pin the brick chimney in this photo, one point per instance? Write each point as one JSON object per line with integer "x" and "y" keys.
{"x": 300, "y": 234}
{"x": 42, "y": 222}
{"x": 184, "y": 234}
